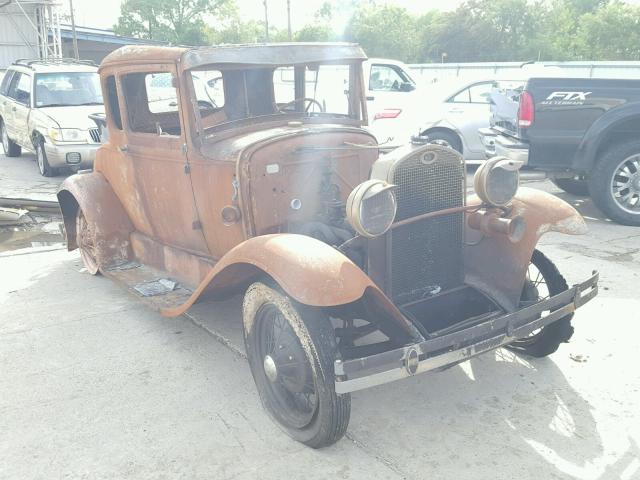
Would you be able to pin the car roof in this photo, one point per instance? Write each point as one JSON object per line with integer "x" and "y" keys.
{"x": 52, "y": 66}
{"x": 255, "y": 54}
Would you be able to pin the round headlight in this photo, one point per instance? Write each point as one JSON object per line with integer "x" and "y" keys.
{"x": 497, "y": 180}
{"x": 371, "y": 208}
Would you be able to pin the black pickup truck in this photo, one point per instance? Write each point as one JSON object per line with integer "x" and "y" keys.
{"x": 583, "y": 133}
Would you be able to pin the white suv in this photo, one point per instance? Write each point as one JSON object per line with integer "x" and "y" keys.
{"x": 45, "y": 107}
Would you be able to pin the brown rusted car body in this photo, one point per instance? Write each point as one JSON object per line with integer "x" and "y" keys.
{"x": 218, "y": 206}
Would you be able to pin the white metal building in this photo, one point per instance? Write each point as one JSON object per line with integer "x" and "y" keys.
{"x": 29, "y": 29}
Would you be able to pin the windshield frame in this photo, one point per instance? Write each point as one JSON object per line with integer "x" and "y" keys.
{"x": 40, "y": 75}
{"x": 356, "y": 103}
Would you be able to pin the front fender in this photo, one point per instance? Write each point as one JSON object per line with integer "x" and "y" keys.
{"x": 104, "y": 213}
{"x": 308, "y": 270}
{"x": 496, "y": 265}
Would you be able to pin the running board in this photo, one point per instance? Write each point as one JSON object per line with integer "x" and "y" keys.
{"x": 156, "y": 288}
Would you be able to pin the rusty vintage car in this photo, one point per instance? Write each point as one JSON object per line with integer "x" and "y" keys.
{"x": 245, "y": 170}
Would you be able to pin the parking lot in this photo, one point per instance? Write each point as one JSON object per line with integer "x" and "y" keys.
{"x": 94, "y": 385}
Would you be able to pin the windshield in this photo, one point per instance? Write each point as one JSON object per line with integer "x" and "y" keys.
{"x": 67, "y": 89}
{"x": 307, "y": 91}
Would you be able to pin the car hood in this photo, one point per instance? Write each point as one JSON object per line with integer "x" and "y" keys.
{"x": 73, "y": 117}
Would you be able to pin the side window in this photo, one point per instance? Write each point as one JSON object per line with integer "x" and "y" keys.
{"x": 20, "y": 88}
{"x": 462, "y": 97}
{"x": 23, "y": 89}
{"x": 480, "y": 93}
{"x": 4, "y": 88}
{"x": 152, "y": 103}
{"x": 112, "y": 101}
{"x": 386, "y": 78}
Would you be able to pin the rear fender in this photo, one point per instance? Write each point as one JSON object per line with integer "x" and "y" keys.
{"x": 308, "y": 270}
{"x": 107, "y": 220}
{"x": 496, "y": 265}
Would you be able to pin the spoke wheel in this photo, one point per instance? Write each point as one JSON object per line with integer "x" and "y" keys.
{"x": 625, "y": 184}
{"x": 86, "y": 241}
{"x": 291, "y": 350}
{"x": 543, "y": 280}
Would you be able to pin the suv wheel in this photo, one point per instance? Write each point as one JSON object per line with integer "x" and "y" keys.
{"x": 579, "y": 188}
{"x": 291, "y": 350}
{"x": 11, "y": 149}
{"x": 43, "y": 163}
{"x": 614, "y": 183}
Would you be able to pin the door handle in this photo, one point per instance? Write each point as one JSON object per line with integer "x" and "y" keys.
{"x": 371, "y": 97}
{"x": 124, "y": 148}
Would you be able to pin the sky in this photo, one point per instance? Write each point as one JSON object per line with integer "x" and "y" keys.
{"x": 104, "y": 16}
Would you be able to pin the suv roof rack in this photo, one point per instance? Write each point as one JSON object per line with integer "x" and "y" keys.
{"x": 52, "y": 61}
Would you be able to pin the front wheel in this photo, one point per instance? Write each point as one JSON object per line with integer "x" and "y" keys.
{"x": 291, "y": 350}
{"x": 614, "y": 183}
{"x": 43, "y": 162}
{"x": 86, "y": 241}
{"x": 543, "y": 280}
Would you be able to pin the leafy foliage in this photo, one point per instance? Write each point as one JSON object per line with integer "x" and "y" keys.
{"x": 478, "y": 30}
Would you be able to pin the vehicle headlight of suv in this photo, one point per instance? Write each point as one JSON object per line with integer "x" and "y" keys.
{"x": 371, "y": 208}
{"x": 497, "y": 180}
{"x": 67, "y": 135}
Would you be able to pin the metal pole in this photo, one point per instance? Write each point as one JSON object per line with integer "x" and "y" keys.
{"x": 289, "y": 18}
{"x": 266, "y": 20}
{"x": 73, "y": 31}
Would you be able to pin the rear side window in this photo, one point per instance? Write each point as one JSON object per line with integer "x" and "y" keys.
{"x": 4, "y": 88}
{"x": 20, "y": 88}
{"x": 152, "y": 103}
{"x": 112, "y": 101}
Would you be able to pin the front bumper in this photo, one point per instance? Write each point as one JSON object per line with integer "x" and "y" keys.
{"x": 453, "y": 348}
{"x": 79, "y": 155}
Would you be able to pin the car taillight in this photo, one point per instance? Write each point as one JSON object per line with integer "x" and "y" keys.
{"x": 525, "y": 110}
{"x": 387, "y": 113}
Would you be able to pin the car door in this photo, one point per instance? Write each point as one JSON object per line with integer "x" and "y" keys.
{"x": 19, "y": 103}
{"x": 389, "y": 89}
{"x": 156, "y": 149}
{"x": 467, "y": 111}
{"x": 6, "y": 104}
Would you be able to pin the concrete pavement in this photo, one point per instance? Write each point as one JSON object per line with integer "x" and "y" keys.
{"x": 94, "y": 385}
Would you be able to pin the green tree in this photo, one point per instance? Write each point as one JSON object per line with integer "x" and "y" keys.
{"x": 174, "y": 21}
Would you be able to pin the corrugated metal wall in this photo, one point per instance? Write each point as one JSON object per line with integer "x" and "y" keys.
{"x": 16, "y": 34}
{"x": 436, "y": 72}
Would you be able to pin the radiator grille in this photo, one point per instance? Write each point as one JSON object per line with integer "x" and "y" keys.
{"x": 94, "y": 133}
{"x": 426, "y": 256}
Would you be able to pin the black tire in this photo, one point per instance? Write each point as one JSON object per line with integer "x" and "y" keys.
{"x": 579, "y": 188}
{"x": 603, "y": 175}
{"x": 452, "y": 139}
{"x": 548, "y": 339}
{"x": 41, "y": 159}
{"x": 11, "y": 149}
{"x": 305, "y": 334}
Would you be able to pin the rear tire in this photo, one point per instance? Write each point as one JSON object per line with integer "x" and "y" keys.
{"x": 614, "y": 183}
{"x": 547, "y": 340}
{"x": 451, "y": 139}
{"x": 291, "y": 350}
{"x": 11, "y": 149}
{"x": 579, "y": 188}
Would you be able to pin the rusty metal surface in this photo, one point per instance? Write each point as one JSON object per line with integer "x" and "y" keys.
{"x": 495, "y": 264}
{"x": 103, "y": 212}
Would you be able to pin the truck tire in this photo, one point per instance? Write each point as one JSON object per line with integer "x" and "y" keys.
{"x": 579, "y": 188}
{"x": 11, "y": 149}
{"x": 291, "y": 350}
{"x": 614, "y": 183}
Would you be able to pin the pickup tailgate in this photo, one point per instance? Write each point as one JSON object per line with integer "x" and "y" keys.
{"x": 564, "y": 110}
